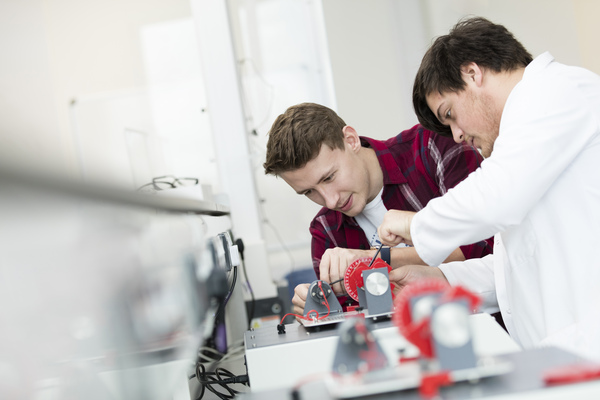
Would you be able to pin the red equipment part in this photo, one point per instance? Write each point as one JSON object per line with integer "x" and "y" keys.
{"x": 353, "y": 275}
{"x": 571, "y": 374}
{"x": 431, "y": 383}
{"x": 419, "y": 332}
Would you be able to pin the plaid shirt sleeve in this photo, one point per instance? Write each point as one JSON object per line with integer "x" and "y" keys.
{"x": 320, "y": 240}
{"x": 454, "y": 162}
{"x": 325, "y": 235}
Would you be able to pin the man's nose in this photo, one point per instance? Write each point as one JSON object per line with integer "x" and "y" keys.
{"x": 457, "y": 133}
{"x": 331, "y": 198}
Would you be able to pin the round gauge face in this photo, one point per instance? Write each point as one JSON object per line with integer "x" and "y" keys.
{"x": 353, "y": 281}
{"x": 450, "y": 325}
{"x": 377, "y": 284}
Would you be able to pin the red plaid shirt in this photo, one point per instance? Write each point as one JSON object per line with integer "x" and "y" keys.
{"x": 418, "y": 165}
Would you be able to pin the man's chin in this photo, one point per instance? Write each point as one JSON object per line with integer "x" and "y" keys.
{"x": 353, "y": 211}
{"x": 485, "y": 152}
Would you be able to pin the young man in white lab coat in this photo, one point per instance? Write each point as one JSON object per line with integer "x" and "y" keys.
{"x": 538, "y": 124}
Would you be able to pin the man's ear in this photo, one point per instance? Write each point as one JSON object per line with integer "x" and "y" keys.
{"x": 472, "y": 74}
{"x": 351, "y": 138}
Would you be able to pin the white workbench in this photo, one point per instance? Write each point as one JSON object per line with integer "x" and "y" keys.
{"x": 279, "y": 361}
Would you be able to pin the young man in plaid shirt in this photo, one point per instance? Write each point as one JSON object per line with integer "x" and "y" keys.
{"x": 356, "y": 180}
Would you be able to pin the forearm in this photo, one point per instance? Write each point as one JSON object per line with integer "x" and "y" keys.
{"x": 408, "y": 256}
{"x": 477, "y": 275}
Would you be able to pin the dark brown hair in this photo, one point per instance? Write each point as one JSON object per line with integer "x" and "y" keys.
{"x": 475, "y": 40}
{"x": 297, "y": 135}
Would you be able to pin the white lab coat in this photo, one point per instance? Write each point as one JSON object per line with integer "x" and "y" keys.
{"x": 539, "y": 192}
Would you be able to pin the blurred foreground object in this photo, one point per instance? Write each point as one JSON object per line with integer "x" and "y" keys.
{"x": 104, "y": 294}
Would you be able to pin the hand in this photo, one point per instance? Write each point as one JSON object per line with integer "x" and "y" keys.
{"x": 335, "y": 262}
{"x": 395, "y": 228}
{"x": 299, "y": 299}
{"x": 408, "y": 274}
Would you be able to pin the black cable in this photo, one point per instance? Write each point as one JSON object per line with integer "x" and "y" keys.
{"x": 220, "y": 377}
{"x": 334, "y": 282}
{"x": 240, "y": 244}
{"x": 224, "y": 303}
{"x": 375, "y": 256}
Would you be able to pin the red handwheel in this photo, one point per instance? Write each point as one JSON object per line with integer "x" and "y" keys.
{"x": 353, "y": 275}
{"x": 415, "y": 328}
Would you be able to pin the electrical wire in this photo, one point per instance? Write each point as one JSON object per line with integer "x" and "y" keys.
{"x": 376, "y": 254}
{"x": 280, "y": 240}
{"x": 308, "y": 317}
{"x": 231, "y": 287}
{"x": 337, "y": 281}
{"x": 240, "y": 244}
{"x": 245, "y": 98}
{"x": 220, "y": 377}
{"x": 216, "y": 339}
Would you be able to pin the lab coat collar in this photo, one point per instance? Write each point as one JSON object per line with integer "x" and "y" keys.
{"x": 538, "y": 64}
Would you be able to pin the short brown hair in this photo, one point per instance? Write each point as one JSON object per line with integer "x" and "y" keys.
{"x": 297, "y": 135}
{"x": 475, "y": 40}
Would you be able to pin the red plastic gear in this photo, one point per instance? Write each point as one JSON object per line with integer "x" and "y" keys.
{"x": 353, "y": 274}
{"x": 418, "y": 332}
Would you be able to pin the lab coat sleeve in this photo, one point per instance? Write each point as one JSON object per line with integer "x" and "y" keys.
{"x": 477, "y": 275}
{"x": 542, "y": 130}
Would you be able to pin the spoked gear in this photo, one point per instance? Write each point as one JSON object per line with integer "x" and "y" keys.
{"x": 413, "y": 309}
{"x": 353, "y": 275}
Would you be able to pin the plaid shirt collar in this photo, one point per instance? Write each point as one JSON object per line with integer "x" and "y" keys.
{"x": 392, "y": 175}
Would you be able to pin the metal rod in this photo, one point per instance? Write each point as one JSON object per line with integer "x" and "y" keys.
{"x": 376, "y": 254}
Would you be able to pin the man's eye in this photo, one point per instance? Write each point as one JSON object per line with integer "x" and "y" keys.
{"x": 330, "y": 177}
{"x": 448, "y": 115}
{"x": 308, "y": 192}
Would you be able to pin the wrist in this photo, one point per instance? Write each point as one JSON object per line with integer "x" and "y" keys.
{"x": 407, "y": 226}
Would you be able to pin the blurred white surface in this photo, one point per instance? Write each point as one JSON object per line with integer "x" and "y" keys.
{"x": 98, "y": 300}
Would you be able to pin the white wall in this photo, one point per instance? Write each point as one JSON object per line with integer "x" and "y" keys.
{"x": 376, "y": 47}
{"x": 588, "y": 32}
{"x": 95, "y": 45}
{"x": 55, "y": 51}
{"x": 29, "y": 128}
{"x": 370, "y": 43}
{"x": 539, "y": 25}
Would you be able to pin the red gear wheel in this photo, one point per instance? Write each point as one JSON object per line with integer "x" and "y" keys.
{"x": 418, "y": 332}
{"x": 353, "y": 275}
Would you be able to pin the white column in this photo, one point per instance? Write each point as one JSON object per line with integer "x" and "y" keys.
{"x": 230, "y": 136}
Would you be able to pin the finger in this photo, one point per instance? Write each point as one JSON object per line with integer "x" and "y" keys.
{"x": 387, "y": 236}
{"x": 398, "y": 275}
{"x": 303, "y": 290}
{"x": 298, "y": 310}
{"x": 349, "y": 258}
{"x": 298, "y": 301}
{"x": 300, "y": 293}
{"x": 325, "y": 266}
{"x": 382, "y": 233}
{"x": 334, "y": 274}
